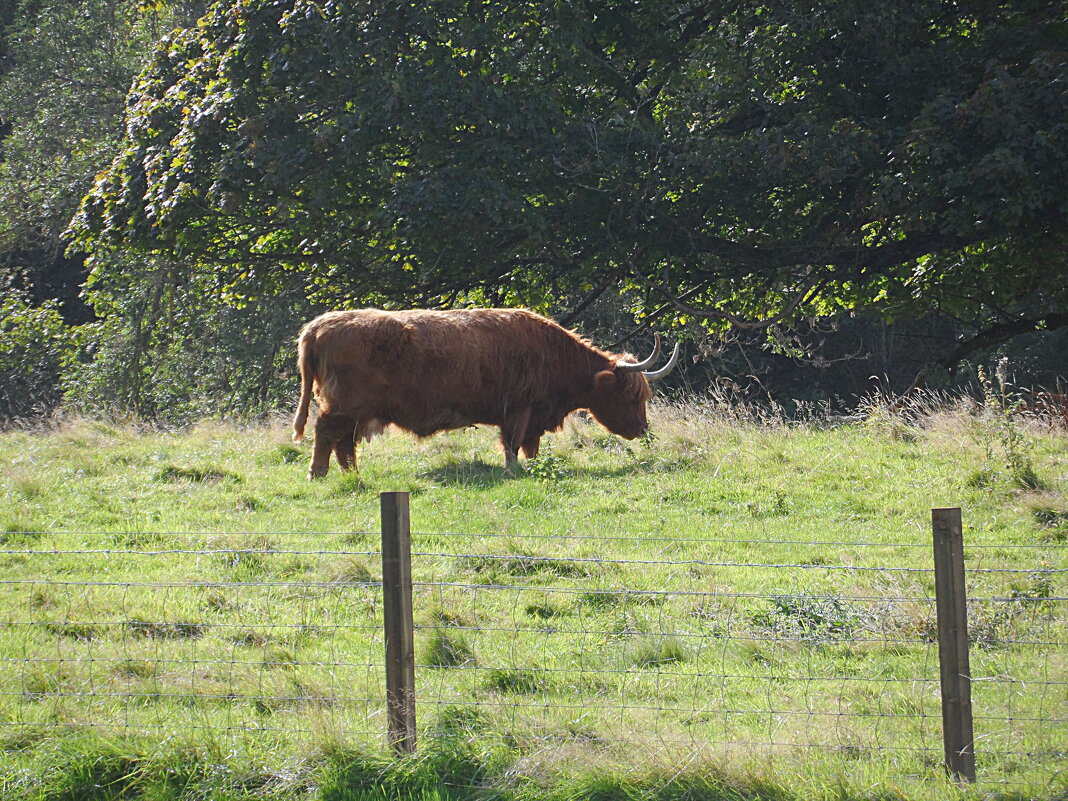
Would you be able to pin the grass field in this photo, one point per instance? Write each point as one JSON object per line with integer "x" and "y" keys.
{"x": 736, "y": 608}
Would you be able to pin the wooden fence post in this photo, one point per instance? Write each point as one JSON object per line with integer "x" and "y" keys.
{"x": 397, "y": 616}
{"x": 952, "y": 607}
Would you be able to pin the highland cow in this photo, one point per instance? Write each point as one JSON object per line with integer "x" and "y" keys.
{"x": 431, "y": 371}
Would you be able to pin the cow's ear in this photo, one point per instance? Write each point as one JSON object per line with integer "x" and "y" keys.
{"x": 606, "y": 379}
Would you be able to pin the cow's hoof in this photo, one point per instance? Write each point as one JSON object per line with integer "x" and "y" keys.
{"x": 315, "y": 473}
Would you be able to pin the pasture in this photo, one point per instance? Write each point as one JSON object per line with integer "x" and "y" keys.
{"x": 733, "y": 608}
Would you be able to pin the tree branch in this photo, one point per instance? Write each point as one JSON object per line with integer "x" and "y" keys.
{"x": 586, "y": 302}
{"x": 844, "y": 257}
{"x": 698, "y": 24}
{"x": 999, "y": 332}
{"x": 807, "y": 293}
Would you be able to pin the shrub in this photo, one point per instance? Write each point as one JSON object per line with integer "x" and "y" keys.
{"x": 998, "y": 431}
{"x": 171, "y": 347}
{"x": 807, "y": 617}
{"x": 35, "y": 343}
{"x": 548, "y": 468}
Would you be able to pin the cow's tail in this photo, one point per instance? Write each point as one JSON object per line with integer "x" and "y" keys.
{"x": 306, "y": 366}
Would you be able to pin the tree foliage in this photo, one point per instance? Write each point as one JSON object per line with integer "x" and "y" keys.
{"x": 154, "y": 339}
{"x": 166, "y": 348}
{"x": 62, "y": 101}
{"x": 35, "y": 346}
{"x": 748, "y": 161}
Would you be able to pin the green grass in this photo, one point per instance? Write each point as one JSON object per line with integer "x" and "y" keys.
{"x": 660, "y": 657}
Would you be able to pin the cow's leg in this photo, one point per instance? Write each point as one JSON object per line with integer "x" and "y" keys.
{"x": 531, "y": 445}
{"x": 362, "y": 431}
{"x": 320, "y": 455}
{"x": 332, "y": 431}
{"x": 513, "y": 434}
{"x": 345, "y": 451}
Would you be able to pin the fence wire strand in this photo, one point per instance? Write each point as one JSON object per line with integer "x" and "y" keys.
{"x": 585, "y": 648}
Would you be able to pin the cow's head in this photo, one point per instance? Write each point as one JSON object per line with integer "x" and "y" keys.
{"x": 621, "y": 393}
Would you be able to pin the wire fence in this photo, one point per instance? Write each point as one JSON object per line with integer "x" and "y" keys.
{"x": 618, "y": 644}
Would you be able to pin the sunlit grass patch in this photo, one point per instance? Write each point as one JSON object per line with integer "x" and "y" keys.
{"x": 20, "y": 532}
{"x": 163, "y": 630}
{"x": 517, "y": 681}
{"x": 195, "y": 474}
{"x": 526, "y": 565}
{"x": 447, "y": 649}
{"x": 654, "y": 651}
{"x": 345, "y": 570}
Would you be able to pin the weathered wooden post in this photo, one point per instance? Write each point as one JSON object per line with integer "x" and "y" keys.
{"x": 952, "y": 607}
{"x": 397, "y": 616}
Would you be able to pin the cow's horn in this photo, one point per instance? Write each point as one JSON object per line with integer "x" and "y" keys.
{"x": 653, "y": 375}
{"x": 635, "y": 367}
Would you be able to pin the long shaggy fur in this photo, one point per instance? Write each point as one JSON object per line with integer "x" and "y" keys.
{"x": 429, "y": 371}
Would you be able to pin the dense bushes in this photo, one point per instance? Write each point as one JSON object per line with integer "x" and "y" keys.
{"x": 35, "y": 346}
{"x": 165, "y": 349}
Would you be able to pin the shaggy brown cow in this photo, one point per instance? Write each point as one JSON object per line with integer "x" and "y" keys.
{"x": 430, "y": 371}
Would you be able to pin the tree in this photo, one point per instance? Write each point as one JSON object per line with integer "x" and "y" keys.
{"x": 149, "y": 340}
{"x": 748, "y": 163}
{"x": 65, "y": 69}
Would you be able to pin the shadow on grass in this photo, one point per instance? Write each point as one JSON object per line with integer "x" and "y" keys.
{"x": 477, "y": 474}
{"x": 473, "y": 473}
{"x": 646, "y": 465}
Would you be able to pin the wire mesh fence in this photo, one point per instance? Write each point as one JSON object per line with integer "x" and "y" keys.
{"x": 630, "y": 644}
{"x": 170, "y": 641}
